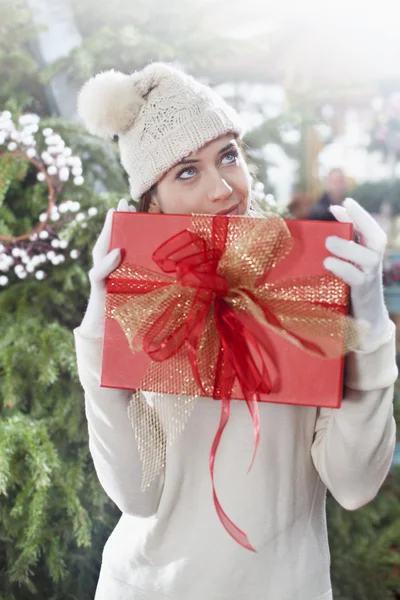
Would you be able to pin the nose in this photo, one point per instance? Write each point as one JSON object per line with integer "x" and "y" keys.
{"x": 219, "y": 189}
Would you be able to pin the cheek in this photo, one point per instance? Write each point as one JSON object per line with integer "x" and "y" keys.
{"x": 241, "y": 182}
{"x": 170, "y": 197}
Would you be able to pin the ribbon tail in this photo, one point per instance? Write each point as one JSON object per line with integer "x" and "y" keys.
{"x": 237, "y": 534}
{"x": 254, "y": 411}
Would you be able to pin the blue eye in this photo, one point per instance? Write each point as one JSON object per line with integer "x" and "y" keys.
{"x": 189, "y": 171}
{"x": 232, "y": 156}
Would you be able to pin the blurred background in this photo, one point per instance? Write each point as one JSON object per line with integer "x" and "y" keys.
{"x": 318, "y": 85}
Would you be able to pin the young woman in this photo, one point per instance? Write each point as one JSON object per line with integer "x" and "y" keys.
{"x": 180, "y": 146}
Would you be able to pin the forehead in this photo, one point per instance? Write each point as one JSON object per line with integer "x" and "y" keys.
{"x": 213, "y": 146}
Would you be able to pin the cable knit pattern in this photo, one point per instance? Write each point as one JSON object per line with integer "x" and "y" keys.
{"x": 172, "y": 115}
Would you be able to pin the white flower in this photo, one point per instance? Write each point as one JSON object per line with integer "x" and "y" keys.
{"x": 30, "y": 267}
{"x": 80, "y": 217}
{"x": 55, "y": 149}
{"x": 18, "y": 269}
{"x": 50, "y": 254}
{"x": 3, "y": 280}
{"x": 77, "y": 171}
{"x": 22, "y": 274}
{"x": 2, "y": 248}
{"x": 27, "y": 140}
{"x": 12, "y": 146}
{"x": 47, "y": 131}
{"x": 67, "y": 152}
{"x": 57, "y": 259}
{"x": 40, "y": 177}
{"x": 31, "y": 129}
{"x": 31, "y": 152}
{"x": 42, "y": 217}
{"x": 63, "y": 244}
{"x": 61, "y": 161}
{"x": 55, "y": 216}
{"x": 28, "y": 119}
{"x": 40, "y": 275}
{"x": 7, "y": 126}
{"x": 84, "y": 225}
{"x": 16, "y": 252}
{"x": 55, "y": 243}
{"x": 52, "y": 140}
{"x": 15, "y": 135}
{"x": 92, "y": 212}
{"x": 64, "y": 174}
{"x": 39, "y": 259}
{"x": 6, "y": 262}
{"x": 25, "y": 259}
{"x": 74, "y": 254}
{"x": 47, "y": 158}
{"x": 63, "y": 207}
{"x": 74, "y": 206}
{"x": 52, "y": 170}
{"x": 34, "y": 236}
{"x": 5, "y": 115}
{"x": 60, "y": 258}
{"x": 75, "y": 162}
{"x": 52, "y": 150}
{"x": 78, "y": 180}
{"x": 2, "y": 137}
{"x": 43, "y": 235}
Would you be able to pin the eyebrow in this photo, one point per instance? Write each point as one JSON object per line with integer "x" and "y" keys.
{"x": 186, "y": 161}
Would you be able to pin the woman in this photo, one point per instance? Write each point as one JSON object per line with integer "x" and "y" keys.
{"x": 179, "y": 145}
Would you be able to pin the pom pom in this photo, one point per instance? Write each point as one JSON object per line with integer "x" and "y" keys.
{"x": 109, "y": 103}
{"x": 153, "y": 74}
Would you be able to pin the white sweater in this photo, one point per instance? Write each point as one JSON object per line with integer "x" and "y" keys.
{"x": 169, "y": 543}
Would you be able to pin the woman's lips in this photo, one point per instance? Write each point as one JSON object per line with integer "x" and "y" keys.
{"x": 233, "y": 210}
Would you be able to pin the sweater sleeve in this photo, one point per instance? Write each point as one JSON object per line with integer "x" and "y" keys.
{"x": 353, "y": 446}
{"x": 112, "y": 441}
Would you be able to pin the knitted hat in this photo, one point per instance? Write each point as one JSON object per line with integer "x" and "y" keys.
{"x": 160, "y": 115}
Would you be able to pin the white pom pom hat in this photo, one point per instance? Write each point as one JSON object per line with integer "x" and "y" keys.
{"x": 160, "y": 114}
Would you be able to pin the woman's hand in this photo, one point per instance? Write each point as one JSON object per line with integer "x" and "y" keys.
{"x": 104, "y": 262}
{"x": 364, "y": 276}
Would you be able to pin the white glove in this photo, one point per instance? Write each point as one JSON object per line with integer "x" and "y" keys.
{"x": 364, "y": 276}
{"x": 104, "y": 263}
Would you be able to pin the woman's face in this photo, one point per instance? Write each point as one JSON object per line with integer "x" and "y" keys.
{"x": 213, "y": 180}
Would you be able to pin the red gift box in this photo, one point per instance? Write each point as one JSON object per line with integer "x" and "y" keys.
{"x": 299, "y": 377}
